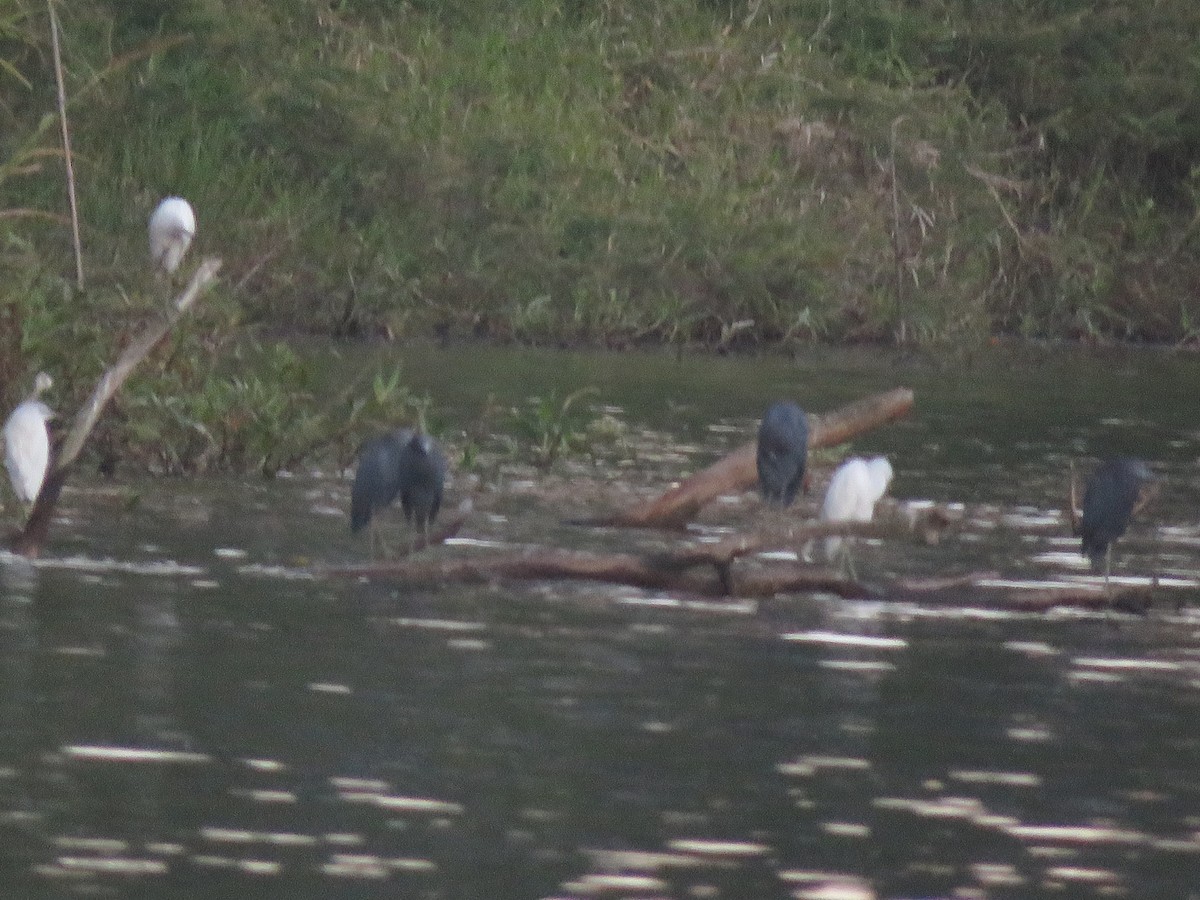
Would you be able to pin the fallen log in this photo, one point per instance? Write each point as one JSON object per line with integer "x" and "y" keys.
{"x": 666, "y": 570}
{"x": 32, "y": 537}
{"x": 1133, "y": 599}
{"x": 610, "y": 568}
{"x": 738, "y": 470}
{"x": 673, "y": 573}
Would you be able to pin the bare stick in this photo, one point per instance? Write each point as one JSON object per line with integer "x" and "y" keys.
{"x": 32, "y": 537}
{"x": 738, "y": 471}
{"x": 897, "y": 249}
{"x": 66, "y": 139}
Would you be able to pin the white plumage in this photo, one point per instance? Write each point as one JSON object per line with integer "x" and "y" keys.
{"x": 853, "y": 491}
{"x": 172, "y": 227}
{"x": 27, "y": 442}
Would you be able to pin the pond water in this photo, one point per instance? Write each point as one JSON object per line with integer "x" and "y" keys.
{"x": 185, "y": 711}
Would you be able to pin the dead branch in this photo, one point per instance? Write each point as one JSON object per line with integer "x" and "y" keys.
{"x": 30, "y": 540}
{"x": 738, "y": 471}
{"x": 66, "y": 142}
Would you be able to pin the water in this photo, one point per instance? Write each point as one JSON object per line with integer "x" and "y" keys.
{"x": 185, "y": 711}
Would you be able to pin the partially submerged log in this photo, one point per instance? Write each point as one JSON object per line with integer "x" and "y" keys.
{"x": 692, "y": 572}
{"x": 738, "y": 471}
{"x": 666, "y": 570}
{"x": 30, "y": 540}
{"x": 1133, "y": 599}
{"x": 610, "y": 568}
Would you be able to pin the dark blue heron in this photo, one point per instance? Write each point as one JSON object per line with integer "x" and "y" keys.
{"x": 1112, "y": 494}
{"x": 782, "y": 452}
{"x": 422, "y": 475}
{"x": 402, "y": 462}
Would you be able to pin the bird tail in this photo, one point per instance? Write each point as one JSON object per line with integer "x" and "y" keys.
{"x": 360, "y": 515}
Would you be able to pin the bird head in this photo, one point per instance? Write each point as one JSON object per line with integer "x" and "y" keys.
{"x": 42, "y": 383}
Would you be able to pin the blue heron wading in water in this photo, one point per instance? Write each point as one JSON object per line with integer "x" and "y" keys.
{"x": 782, "y": 452}
{"x": 1112, "y": 495}
{"x": 403, "y": 463}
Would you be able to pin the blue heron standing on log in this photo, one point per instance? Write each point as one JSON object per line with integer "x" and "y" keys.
{"x": 782, "y": 452}
{"x": 1113, "y": 495}
{"x": 403, "y": 463}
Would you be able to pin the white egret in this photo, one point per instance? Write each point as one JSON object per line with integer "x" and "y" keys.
{"x": 853, "y": 491}
{"x": 172, "y": 227}
{"x": 27, "y": 442}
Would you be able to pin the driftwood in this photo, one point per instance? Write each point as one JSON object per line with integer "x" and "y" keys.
{"x": 710, "y": 570}
{"x": 737, "y": 471}
{"x": 684, "y": 573}
{"x": 611, "y": 568}
{"x": 1134, "y": 599}
{"x": 667, "y": 570}
{"x": 30, "y": 540}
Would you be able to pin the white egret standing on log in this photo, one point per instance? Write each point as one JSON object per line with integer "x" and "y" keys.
{"x": 172, "y": 227}
{"x": 1113, "y": 492}
{"x": 402, "y": 462}
{"x": 782, "y": 452}
{"x": 856, "y": 486}
{"x": 27, "y": 442}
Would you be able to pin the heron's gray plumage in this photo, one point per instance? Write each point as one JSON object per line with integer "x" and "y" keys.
{"x": 782, "y": 452}
{"x": 377, "y": 479}
{"x": 1112, "y": 493}
{"x": 422, "y": 476}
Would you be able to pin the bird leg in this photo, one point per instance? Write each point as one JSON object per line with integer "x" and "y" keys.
{"x": 1107, "y": 567}
{"x": 1108, "y": 601}
{"x": 849, "y": 561}
{"x": 379, "y": 548}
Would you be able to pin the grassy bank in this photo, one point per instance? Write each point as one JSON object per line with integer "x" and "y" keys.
{"x": 725, "y": 174}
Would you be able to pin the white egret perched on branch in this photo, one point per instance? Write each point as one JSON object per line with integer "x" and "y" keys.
{"x": 172, "y": 227}
{"x": 853, "y": 491}
{"x": 27, "y": 442}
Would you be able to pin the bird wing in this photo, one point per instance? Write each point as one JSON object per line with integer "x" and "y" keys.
{"x": 27, "y": 449}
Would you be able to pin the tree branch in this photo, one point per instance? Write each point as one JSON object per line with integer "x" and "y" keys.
{"x": 30, "y": 540}
{"x": 738, "y": 471}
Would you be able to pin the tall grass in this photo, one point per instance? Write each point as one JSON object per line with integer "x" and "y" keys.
{"x": 726, "y": 173}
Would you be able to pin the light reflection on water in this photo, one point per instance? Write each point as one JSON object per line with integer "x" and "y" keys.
{"x": 185, "y": 710}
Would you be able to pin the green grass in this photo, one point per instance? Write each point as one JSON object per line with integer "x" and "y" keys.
{"x": 720, "y": 173}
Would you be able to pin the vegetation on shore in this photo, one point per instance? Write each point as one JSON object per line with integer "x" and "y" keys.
{"x": 693, "y": 172}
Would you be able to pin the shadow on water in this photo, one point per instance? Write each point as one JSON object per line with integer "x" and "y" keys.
{"x": 186, "y": 712}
